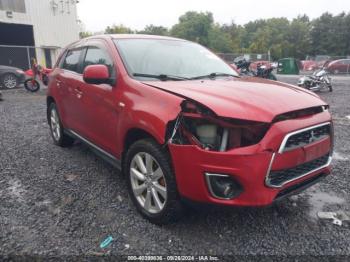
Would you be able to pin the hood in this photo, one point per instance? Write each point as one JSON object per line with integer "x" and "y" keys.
{"x": 9, "y": 68}
{"x": 250, "y": 98}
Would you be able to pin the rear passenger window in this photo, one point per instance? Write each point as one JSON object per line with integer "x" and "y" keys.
{"x": 97, "y": 56}
{"x": 71, "y": 61}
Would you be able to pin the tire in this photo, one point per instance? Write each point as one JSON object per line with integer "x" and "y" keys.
{"x": 28, "y": 84}
{"x": 45, "y": 80}
{"x": 330, "y": 88}
{"x": 153, "y": 183}
{"x": 272, "y": 77}
{"x": 56, "y": 128}
{"x": 9, "y": 81}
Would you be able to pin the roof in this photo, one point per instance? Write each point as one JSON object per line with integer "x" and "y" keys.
{"x": 136, "y": 36}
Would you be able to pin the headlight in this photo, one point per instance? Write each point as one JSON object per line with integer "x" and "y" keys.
{"x": 199, "y": 126}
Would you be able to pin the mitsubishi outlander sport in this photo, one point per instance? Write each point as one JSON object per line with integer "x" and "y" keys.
{"x": 181, "y": 124}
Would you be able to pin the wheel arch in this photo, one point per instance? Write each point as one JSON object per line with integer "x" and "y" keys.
{"x": 133, "y": 135}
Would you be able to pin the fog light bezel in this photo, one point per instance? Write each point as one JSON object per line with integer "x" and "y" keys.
{"x": 210, "y": 188}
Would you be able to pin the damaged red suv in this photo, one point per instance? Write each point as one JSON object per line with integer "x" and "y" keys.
{"x": 181, "y": 124}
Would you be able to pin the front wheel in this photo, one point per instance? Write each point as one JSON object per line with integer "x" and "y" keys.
{"x": 31, "y": 85}
{"x": 151, "y": 182}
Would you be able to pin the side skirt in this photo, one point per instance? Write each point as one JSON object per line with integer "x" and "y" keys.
{"x": 97, "y": 150}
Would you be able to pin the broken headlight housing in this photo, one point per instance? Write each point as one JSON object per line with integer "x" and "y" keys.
{"x": 199, "y": 126}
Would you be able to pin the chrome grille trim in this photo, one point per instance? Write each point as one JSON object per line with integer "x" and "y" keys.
{"x": 284, "y": 142}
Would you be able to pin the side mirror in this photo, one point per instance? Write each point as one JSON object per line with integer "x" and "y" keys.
{"x": 96, "y": 74}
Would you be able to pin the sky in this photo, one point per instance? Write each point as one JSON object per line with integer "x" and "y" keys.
{"x": 96, "y": 15}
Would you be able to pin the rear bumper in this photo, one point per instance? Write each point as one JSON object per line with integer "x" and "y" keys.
{"x": 250, "y": 166}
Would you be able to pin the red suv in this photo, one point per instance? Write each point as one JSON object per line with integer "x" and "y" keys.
{"x": 181, "y": 124}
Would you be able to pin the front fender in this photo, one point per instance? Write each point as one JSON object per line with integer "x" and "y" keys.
{"x": 148, "y": 109}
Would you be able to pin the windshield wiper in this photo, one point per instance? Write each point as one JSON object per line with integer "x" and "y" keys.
{"x": 162, "y": 77}
{"x": 213, "y": 75}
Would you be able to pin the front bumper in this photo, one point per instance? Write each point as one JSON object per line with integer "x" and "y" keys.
{"x": 250, "y": 166}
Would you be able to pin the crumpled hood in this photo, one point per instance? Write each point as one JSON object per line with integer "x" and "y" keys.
{"x": 245, "y": 98}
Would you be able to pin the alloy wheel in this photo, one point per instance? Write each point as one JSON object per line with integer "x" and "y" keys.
{"x": 55, "y": 125}
{"x": 148, "y": 182}
{"x": 10, "y": 81}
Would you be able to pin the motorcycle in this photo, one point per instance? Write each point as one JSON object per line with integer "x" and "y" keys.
{"x": 265, "y": 72}
{"x": 318, "y": 81}
{"x": 243, "y": 66}
{"x": 31, "y": 84}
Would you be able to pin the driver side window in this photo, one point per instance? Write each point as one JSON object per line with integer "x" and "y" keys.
{"x": 97, "y": 56}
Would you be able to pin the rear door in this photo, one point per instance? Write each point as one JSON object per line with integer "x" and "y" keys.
{"x": 101, "y": 116}
{"x": 69, "y": 82}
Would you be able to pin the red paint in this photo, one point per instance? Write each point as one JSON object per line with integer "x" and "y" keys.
{"x": 96, "y": 72}
{"x": 105, "y": 113}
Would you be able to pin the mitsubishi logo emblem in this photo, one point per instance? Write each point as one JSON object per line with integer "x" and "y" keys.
{"x": 312, "y": 138}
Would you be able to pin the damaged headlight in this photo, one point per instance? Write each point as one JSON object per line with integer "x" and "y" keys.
{"x": 199, "y": 126}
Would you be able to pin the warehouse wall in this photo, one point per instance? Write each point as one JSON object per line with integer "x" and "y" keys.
{"x": 54, "y": 22}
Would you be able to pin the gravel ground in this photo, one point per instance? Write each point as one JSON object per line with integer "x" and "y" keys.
{"x": 56, "y": 202}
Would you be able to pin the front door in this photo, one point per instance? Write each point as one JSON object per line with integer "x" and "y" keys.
{"x": 99, "y": 100}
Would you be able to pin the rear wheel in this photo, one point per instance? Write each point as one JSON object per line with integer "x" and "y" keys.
{"x": 9, "y": 81}
{"x": 45, "y": 80}
{"x": 151, "y": 182}
{"x": 31, "y": 85}
{"x": 56, "y": 128}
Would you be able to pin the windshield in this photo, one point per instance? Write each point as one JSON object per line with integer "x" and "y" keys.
{"x": 172, "y": 58}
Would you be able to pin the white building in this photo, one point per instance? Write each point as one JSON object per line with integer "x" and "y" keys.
{"x": 48, "y": 25}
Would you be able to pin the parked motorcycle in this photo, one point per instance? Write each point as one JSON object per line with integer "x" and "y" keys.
{"x": 264, "y": 71}
{"x": 243, "y": 66}
{"x": 318, "y": 81}
{"x": 31, "y": 84}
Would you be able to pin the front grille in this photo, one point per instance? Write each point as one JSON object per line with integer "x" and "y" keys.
{"x": 294, "y": 189}
{"x": 281, "y": 177}
{"x": 308, "y": 136}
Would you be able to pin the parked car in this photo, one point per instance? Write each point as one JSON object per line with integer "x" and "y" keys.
{"x": 313, "y": 63}
{"x": 308, "y": 65}
{"x": 181, "y": 124}
{"x": 341, "y": 66}
{"x": 11, "y": 77}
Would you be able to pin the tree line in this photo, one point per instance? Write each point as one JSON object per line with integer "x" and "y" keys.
{"x": 326, "y": 35}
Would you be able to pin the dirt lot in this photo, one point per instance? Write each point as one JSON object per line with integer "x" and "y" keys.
{"x": 56, "y": 201}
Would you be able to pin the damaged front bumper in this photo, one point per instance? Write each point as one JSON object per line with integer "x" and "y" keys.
{"x": 251, "y": 166}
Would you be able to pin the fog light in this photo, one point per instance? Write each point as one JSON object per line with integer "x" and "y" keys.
{"x": 222, "y": 186}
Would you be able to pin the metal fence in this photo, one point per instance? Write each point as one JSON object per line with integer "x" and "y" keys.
{"x": 21, "y": 56}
